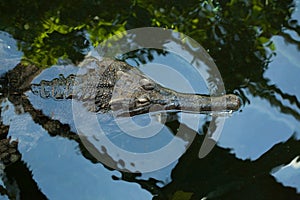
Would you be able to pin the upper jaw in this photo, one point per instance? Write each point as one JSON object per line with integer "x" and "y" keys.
{"x": 144, "y": 95}
{"x": 169, "y": 101}
{"x": 196, "y": 103}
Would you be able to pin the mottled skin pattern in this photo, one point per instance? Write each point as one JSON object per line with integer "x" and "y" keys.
{"x": 8, "y": 149}
{"x": 114, "y": 85}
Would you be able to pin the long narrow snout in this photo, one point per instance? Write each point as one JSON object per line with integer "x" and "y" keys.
{"x": 199, "y": 103}
{"x": 164, "y": 99}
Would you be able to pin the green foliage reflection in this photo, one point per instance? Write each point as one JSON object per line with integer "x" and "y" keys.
{"x": 237, "y": 33}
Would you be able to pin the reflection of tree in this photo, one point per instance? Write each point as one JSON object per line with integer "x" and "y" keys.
{"x": 218, "y": 176}
{"x": 221, "y": 175}
{"x": 16, "y": 177}
{"x": 269, "y": 93}
{"x": 237, "y": 34}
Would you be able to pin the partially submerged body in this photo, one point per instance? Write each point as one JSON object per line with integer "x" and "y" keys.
{"x": 111, "y": 85}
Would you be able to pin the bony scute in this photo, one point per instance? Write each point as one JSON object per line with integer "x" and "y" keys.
{"x": 116, "y": 86}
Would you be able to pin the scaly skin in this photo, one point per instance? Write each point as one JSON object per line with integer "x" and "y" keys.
{"x": 115, "y": 85}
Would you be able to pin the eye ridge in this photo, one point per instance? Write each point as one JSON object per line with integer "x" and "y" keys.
{"x": 147, "y": 84}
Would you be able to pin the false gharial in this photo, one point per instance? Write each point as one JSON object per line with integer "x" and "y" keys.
{"x": 111, "y": 85}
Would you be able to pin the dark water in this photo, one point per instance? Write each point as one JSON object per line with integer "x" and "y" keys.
{"x": 256, "y": 48}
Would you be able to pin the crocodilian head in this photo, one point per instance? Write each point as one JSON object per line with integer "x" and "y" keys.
{"x": 134, "y": 93}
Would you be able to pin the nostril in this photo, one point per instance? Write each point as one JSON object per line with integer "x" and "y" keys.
{"x": 233, "y": 102}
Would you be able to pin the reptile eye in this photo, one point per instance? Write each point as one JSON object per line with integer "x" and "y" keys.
{"x": 147, "y": 84}
{"x": 143, "y": 100}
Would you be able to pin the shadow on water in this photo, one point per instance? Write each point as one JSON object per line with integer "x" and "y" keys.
{"x": 237, "y": 34}
{"x": 221, "y": 175}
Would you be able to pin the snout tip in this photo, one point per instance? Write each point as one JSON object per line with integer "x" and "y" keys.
{"x": 233, "y": 102}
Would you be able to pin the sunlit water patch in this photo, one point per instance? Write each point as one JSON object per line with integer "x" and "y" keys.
{"x": 10, "y": 56}
{"x": 289, "y": 175}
